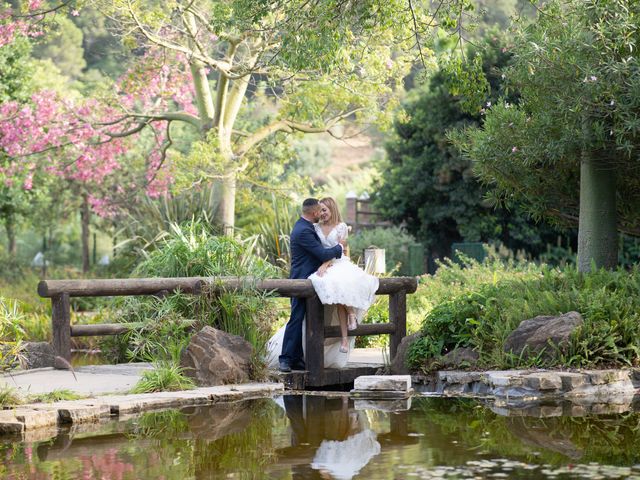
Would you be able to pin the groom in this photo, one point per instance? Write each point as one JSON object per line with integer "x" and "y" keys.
{"x": 307, "y": 254}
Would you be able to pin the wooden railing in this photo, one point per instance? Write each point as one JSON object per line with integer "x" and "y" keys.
{"x": 60, "y": 292}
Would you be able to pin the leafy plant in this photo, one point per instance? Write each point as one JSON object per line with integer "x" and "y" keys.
{"x": 9, "y": 396}
{"x": 165, "y": 377}
{"x": 11, "y": 333}
{"x": 164, "y": 325}
{"x": 55, "y": 396}
{"x": 479, "y": 305}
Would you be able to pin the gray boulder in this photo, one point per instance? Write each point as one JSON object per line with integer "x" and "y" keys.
{"x": 536, "y": 334}
{"x": 214, "y": 357}
{"x": 38, "y": 354}
{"x": 399, "y": 363}
{"x": 461, "y": 357}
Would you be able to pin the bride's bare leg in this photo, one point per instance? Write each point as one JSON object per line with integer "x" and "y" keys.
{"x": 342, "y": 317}
{"x": 352, "y": 319}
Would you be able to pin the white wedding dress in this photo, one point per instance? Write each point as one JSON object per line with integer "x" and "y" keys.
{"x": 343, "y": 283}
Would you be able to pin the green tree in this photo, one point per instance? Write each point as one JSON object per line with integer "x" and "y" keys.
{"x": 63, "y": 46}
{"x": 323, "y": 61}
{"x": 567, "y": 149}
{"x": 425, "y": 184}
{"x": 15, "y": 73}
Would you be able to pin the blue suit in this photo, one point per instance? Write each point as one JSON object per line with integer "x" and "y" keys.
{"x": 307, "y": 254}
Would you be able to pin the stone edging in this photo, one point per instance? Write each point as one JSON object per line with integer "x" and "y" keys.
{"x": 599, "y": 385}
{"x": 41, "y": 415}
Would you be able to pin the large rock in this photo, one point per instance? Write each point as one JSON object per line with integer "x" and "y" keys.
{"x": 214, "y": 357}
{"x": 536, "y": 334}
{"x": 461, "y": 357}
{"x": 399, "y": 363}
{"x": 38, "y": 354}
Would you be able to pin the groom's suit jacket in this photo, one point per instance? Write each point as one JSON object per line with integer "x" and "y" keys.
{"x": 307, "y": 252}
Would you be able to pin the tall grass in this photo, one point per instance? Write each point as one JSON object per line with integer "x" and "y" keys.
{"x": 11, "y": 333}
{"x": 166, "y": 324}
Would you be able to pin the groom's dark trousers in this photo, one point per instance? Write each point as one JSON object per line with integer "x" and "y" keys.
{"x": 307, "y": 254}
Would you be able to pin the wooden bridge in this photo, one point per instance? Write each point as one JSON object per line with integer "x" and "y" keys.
{"x": 60, "y": 292}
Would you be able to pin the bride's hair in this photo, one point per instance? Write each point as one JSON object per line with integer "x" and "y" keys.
{"x": 333, "y": 208}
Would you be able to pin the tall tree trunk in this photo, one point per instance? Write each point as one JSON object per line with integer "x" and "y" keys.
{"x": 227, "y": 209}
{"x": 597, "y": 231}
{"x": 12, "y": 247}
{"x": 84, "y": 220}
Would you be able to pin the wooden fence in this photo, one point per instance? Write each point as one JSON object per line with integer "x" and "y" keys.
{"x": 60, "y": 292}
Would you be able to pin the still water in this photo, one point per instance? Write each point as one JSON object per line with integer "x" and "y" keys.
{"x": 307, "y": 437}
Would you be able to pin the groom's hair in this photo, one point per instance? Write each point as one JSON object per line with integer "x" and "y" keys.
{"x": 309, "y": 205}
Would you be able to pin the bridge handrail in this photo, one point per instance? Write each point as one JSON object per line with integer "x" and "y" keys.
{"x": 60, "y": 292}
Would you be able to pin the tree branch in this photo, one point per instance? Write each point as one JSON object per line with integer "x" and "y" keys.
{"x": 289, "y": 126}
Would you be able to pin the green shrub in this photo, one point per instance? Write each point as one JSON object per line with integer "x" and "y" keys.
{"x": 165, "y": 324}
{"x": 165, "y": 377}
{"x": 479, "y": 305}
{"x": 9, "y": 396}
{"x": 11, "y": 333}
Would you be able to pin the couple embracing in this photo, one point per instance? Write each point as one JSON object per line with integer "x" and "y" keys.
{"x": 318, "y": 245}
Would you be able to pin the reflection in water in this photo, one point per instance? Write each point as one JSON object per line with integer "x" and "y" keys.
{"x": 343, "y": 460}
{"x": 327, "y": 437}
{"x": 307, "y": 437}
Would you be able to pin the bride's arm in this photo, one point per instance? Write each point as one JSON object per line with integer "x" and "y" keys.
{"x": 322, "y": 269}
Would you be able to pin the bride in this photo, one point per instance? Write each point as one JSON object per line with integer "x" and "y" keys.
{"x": 345, "y": 289}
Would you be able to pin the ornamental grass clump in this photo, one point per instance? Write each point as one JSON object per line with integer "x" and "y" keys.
{"x": 488, "y": 301}
{"x": 164, "y": 325}
{"x": 11, "y": 333}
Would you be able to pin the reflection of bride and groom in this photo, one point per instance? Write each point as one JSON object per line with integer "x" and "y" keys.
{"x": 328, "y": 439}
{"x": 318, "y": 244}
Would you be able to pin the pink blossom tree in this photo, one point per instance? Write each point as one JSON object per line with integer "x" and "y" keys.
{"x": 321, "y": 62}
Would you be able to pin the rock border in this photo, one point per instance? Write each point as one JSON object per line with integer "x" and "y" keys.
{"x": 538, "y": 384}
{"x": 32, "y": 416}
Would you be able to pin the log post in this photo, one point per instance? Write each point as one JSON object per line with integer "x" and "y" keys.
{"x": 61, "y": 327}
{"x": 398, "y": 317}
{"x": 314, "y": 348}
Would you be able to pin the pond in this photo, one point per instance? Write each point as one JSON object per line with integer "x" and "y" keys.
{"x": 313, "y": 436}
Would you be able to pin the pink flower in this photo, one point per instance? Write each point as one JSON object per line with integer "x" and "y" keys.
{"x": 75, "y": 13}
{"x": 514, "y": 149}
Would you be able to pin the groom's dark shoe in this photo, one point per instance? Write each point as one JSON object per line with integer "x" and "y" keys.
{"x": 285, "y": 367}
{"x": 298, "y": 366}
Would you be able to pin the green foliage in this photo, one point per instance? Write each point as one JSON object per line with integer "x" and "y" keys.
{"x": 147, "y": 222}
{"x": 164, "y": 325}
{"x": 273, "y": 233}
{"x": 394, "y": 240}
{"x": 425, "y": 184}
{"x": 9, "y": 397}
{"x": 63, "y": 46}
{"x": 165, "y": 377}
{"x": 575, "y": 73}
{"x": 16, "y": 68}
{"x": 11, "y": 333}
{"x": 479, "y": 305}
{"x": 57, "y": 395}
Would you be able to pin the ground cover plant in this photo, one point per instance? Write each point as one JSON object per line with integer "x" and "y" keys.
{"x": 478, "y": 305}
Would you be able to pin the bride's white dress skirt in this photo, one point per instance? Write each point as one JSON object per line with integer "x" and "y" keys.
{"x": 344, "y": 283}
{"x": 333, "y": 357}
